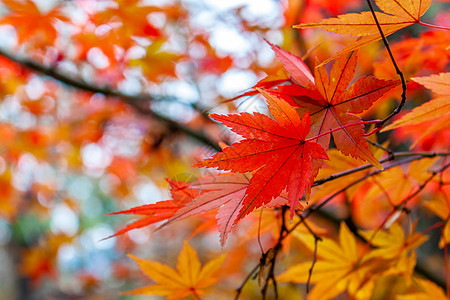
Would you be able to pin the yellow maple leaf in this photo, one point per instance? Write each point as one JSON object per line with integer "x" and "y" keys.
{"x": 189, "y": 278}
{"x": 397, "y": 14}
{"x": 396, "y": 248}
{"x": 427, "y": 290}
{"x": 157, "y": 62}
{"x": 340, "y": 267}
{"x": 441, "y": 207}
{"x": 399, "y": 182}
{"x": 339, "y": 163}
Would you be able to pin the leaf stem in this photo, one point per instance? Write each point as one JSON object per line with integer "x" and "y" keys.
{"x": 433, "y": 26}
{"x": 432, "y": 227}
{"x": 342, "y": 127}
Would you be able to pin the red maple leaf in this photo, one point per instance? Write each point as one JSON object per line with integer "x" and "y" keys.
{"x": 161, "y": 210}
{"x": 225, "y": 192}
{"x": 274, "y": 149}
{"x": 332, "y": 103}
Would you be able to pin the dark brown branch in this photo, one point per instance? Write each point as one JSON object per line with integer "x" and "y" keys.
{"x": 268, "y": 258}
{"x": 273, "y": 256}
{"x": 141, "y": 103}
{"x": 397, "y": 69}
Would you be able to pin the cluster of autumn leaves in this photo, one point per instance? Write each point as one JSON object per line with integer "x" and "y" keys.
{"x": 279, "y": 157}
{"x": 288, "y": 157}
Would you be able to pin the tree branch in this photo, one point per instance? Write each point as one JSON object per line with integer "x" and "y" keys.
{"x": 139, "y": 102}
{"x": 397, "y": 69}
{"x": 392, "y": 156}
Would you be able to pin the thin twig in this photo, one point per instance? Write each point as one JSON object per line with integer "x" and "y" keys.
{"x": 259, "y": 231}
{"x": 400, "y": 208}
{"x": 380, "y": 147}
{"x": 308, "y": 282}
{"x": 422, "y": 186}
{"x": 317, "y": 238}
{"x": 397, "y": 69}
{"x": 246, "y": 279}
{"x": 276, "y": 249}
{"x": 447, "y": 271}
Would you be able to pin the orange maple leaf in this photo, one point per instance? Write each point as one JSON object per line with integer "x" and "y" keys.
{"x": 437, "y": 109}
{"x": 397, "y": 14}
{"x": 188, "y": 279}
{"x": 132, "y": 16}
{"x": 29, "y": 22}
{"x": 275, "y": 149}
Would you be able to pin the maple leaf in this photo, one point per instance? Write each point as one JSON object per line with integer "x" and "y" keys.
{"x": 440, "y": 205}
{"x": 397, "y": 14}
{"x": 332, "y": 103}
{"x": 413, "y": 55}
{"x": 338, "y": 163}
{"x": 29, "y": 22}
{"x": 396, "y": 248}
{"x": 161, "y": 210}
{"x": 398, "y": 181}
{"x": 344, "y": 266}
{"x": 271, "y": 80}
{"x": 224, "y": 191}
{"x": 87, "y": 39}
{"x": 275, "y": 149}
{"x": 157, "y": 62}
{"x": 437, "y": 109}
{"x": 132, "y": 15}
{"x": 339, "y": 267}
{"x": 374, "y": 200}
{"x": 298, "y": 70}
{"x": 426, "y": 290}
{"x": 189, "y": 278}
